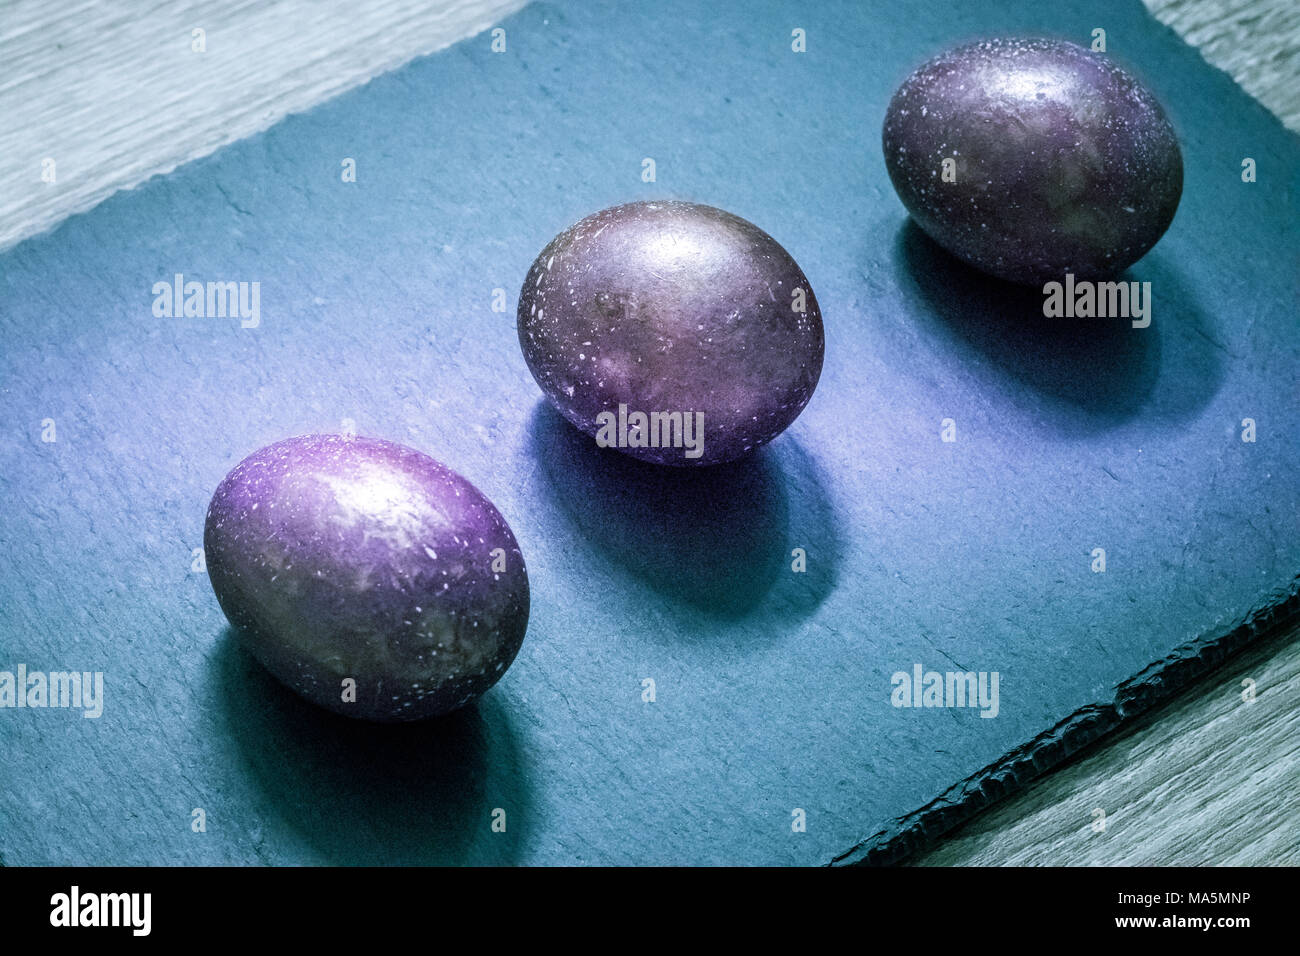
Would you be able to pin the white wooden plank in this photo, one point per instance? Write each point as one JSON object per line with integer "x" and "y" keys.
{"x": 113, "y": 91}
{"x": 1253, "y": 41}
{"x": 1208, "y": 779}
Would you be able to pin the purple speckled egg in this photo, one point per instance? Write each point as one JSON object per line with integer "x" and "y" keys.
{"x": 366, "y": 576}
{"x": 1031, "y": 158}
{"x": 677, "y": 333}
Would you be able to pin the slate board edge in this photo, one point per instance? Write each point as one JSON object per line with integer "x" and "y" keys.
{"x": 1014, "y": 771}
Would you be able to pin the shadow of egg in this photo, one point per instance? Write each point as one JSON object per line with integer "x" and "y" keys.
{"x": 718, "y": 540}
{"x": 372, "y": 794}
{"x": 1079, "y": 375}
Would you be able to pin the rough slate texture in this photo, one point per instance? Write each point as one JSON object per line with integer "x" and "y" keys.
{"x": 772, "y": 688}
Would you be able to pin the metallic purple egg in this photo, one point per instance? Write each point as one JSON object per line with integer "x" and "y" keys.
{"x": 339, "y": 557}
{"x": 1063, "y": 162}
{"x": 677, "y": 333}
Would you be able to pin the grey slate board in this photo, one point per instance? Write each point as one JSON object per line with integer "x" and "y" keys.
{"x": 773, "y": 689}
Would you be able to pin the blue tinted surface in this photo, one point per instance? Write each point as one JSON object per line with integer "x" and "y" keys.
{"x": 773, "y": 689}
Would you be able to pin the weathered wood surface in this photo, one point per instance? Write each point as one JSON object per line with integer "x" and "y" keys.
{"x": 1209, "y": 779}
{"x": 115, "y": 92}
